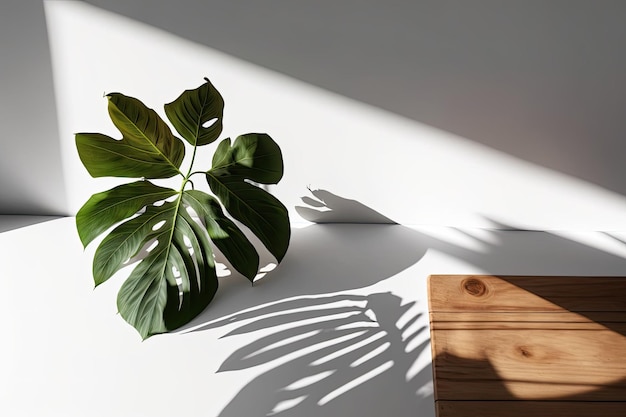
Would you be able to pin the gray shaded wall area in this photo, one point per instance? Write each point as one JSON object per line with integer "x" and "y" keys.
{"x": 541, "y": 80}
{"x": 31, "y": 172}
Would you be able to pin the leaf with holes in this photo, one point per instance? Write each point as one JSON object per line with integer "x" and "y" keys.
{"x": 257, "y": 158}
{"x": 105, "y": 209}
{"x": 168, "y": 235}
{"x": 197, "y": 114}
{"x": 175, "y": 281}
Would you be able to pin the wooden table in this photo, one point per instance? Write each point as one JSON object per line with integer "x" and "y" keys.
{"x": 528, "y": 346}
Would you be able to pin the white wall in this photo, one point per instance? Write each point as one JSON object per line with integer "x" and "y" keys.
{"x": 541, "y": 80}
{"x": 31, "y": 179}
{"x": 408, "y": 170}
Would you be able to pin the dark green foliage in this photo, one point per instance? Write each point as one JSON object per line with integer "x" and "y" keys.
{"x": 175, "y": 278}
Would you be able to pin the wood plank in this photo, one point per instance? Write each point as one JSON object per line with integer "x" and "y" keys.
{"x": 529, "y": 409}
{"x": 526, "y": 325}
{"x": 470, "y": 320}
{"x": 529, "y": 316}
{"x": 502, "y": 293}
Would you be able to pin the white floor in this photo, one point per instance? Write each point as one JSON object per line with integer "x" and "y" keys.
{"x": 339, "y": 328}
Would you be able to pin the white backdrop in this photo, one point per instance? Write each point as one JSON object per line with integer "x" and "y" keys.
{"x": 408, "y": 171}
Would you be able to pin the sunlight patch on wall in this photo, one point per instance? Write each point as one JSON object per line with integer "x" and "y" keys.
{"x": 410, "y": 172}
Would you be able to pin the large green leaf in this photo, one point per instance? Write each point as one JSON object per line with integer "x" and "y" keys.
{"x": 252, "y": 157}
{"x": 197, "y": 114}
{"x": 107, "y": 208}
{"x": 174, "y": 282}
{"x": 224, "y": 233}
{"x": 147, "y": 149}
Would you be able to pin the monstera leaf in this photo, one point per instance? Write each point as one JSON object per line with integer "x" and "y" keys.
{"x": 253, "y": 157}
{"x": 171, "y": 233}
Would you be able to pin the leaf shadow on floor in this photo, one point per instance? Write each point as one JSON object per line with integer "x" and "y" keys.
{"x": 328, "y": 352}
{"x": 332, "y": 355}
{"x": 322, "y": 259}
{"x": 314, "y": 339}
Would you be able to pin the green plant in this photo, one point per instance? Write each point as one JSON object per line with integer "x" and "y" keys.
{"x": 170, "y": 231}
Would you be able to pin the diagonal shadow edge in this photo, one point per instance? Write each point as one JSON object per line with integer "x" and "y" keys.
{"x": 421, "y": 49}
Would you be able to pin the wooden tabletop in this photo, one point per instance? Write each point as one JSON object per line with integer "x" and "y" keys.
{"x": 520, "y": 346}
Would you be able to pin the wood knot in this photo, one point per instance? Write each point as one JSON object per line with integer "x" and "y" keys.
{"x": 475, "y": 287}
{"x": 525, "y": 352}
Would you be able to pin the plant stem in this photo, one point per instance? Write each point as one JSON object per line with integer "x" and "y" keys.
{"x": 189, "y": 172}
{"x": 193, "y": 158}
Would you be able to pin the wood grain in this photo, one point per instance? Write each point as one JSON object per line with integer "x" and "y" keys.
{"x": 488, "y": 293}
{"x": 506, "y": 344}
{"x": 528, "y": 409}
